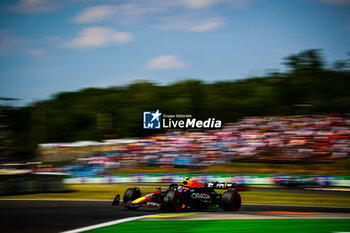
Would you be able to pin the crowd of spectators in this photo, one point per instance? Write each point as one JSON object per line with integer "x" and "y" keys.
{"x": 278, "y": 139}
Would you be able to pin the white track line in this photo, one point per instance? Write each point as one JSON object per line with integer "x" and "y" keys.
{"x": 106, "y": 224}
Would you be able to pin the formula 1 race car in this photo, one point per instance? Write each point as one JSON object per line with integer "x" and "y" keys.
{"x": 189, "y": 195}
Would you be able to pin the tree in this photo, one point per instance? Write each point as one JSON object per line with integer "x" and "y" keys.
{"x": 308, "y": 61}
{"x": 341, "y": 65}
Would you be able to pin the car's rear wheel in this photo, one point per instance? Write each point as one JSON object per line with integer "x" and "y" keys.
{"x": 231, "y": 201}
{"x": 174, "y": 200}
{"x": 130, "y": 195}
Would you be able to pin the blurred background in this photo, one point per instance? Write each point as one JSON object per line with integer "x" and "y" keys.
{"x": 77, "y": 75}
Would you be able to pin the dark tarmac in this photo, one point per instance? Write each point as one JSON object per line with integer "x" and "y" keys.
{"x": 56, "y": 216}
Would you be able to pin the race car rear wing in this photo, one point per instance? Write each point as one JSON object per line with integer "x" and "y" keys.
{"x": 217, "y": 185}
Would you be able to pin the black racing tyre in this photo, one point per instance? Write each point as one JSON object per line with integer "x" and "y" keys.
{"x": 231, "y": 201}
{"x": 130, "y": 195}
{"x": 174, "y": 200}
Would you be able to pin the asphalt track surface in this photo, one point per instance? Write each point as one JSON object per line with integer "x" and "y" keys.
{"x": 22, "y": 216}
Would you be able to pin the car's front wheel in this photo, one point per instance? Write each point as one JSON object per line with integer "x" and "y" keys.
{"x": 130, "y": 195}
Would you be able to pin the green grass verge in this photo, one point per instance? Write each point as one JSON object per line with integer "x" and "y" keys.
{"x": 244, "y": 225}
{"x": 108, "y": 192}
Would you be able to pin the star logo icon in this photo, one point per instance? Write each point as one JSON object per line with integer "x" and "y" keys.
{"x": 156, "y": 115}
{"x": 151, "y": 119}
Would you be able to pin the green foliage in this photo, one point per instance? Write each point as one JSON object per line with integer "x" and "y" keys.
{"x": 306, "y": 61}
{"x": 99, "y": 113}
